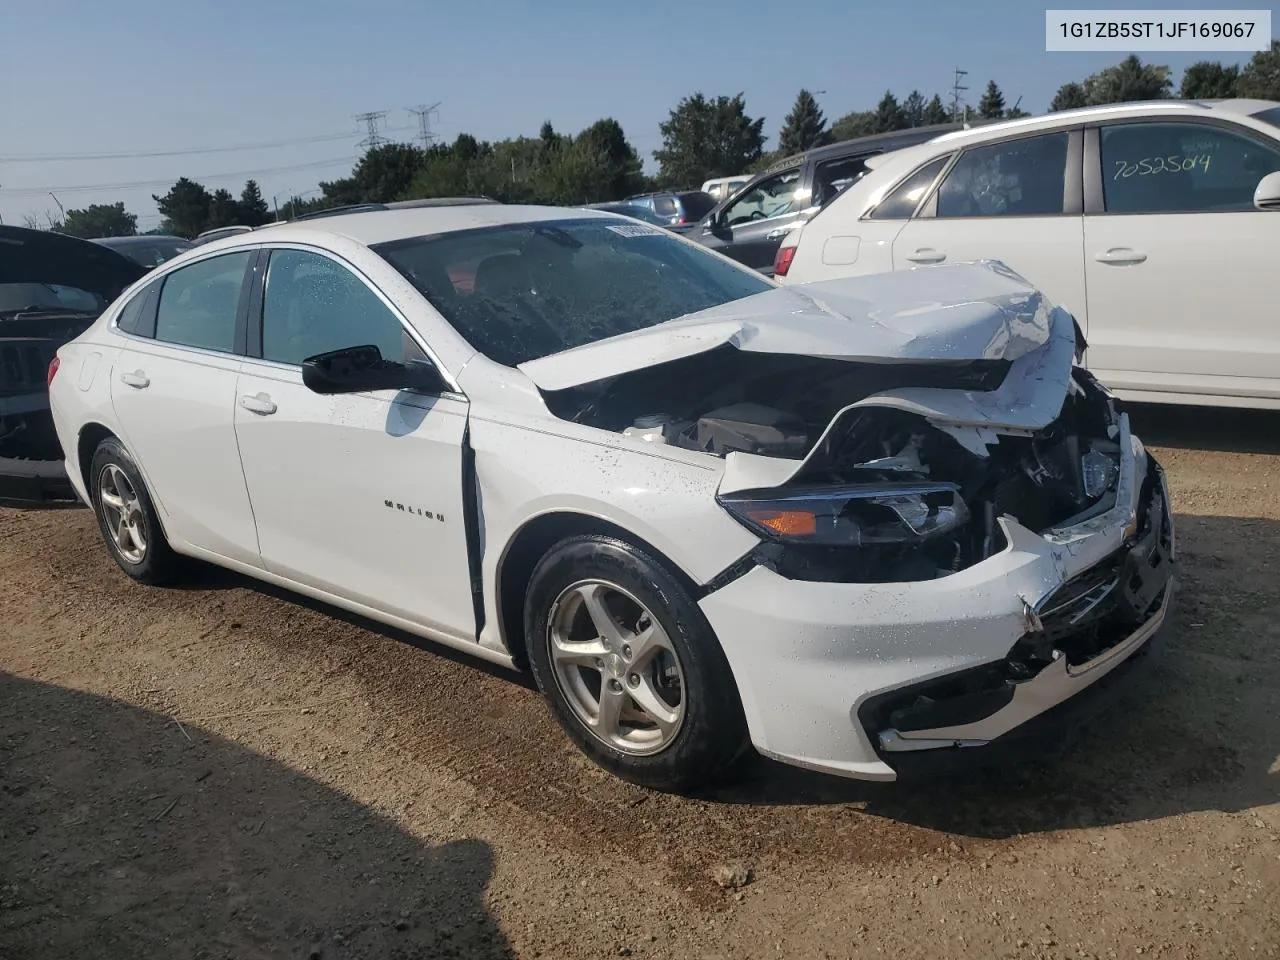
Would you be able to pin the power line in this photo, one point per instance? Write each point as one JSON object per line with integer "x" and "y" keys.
{"x": 424, "y": 114}
{"x": 374, "y": 139}
{"x": 187, "y": 151}
{"x": 168, "y": 181}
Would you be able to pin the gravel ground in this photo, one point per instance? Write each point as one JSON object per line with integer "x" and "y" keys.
{"x": 224, "y": 771}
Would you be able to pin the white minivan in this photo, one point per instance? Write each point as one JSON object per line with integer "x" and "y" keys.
{"x": 722, "y": 187}
{"x": 1150, "y": 222}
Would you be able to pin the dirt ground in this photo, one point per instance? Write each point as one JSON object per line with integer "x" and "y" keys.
{"x": 222, "y": 771}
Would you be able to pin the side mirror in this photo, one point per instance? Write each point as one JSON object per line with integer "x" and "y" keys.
{"x": 1266, "y": 196}
{"x": 361, "y": 369}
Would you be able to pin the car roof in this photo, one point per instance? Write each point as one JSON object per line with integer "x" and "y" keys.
{"x": 1066, "y": 118}
{"x": 1137, "y": 108}
{"x": 393, "y": 222}
{"x": 139, "y": 238}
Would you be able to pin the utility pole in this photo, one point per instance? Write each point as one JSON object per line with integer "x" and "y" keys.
{"x": 957, "y": 88}
{"x": 424, "y": 113}
{"x": 370, "y": 120}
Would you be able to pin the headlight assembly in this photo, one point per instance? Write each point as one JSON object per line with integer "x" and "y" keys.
{"x": 851, "y": 515}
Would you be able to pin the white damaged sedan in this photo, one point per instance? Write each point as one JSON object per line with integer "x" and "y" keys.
{"x": 879, "y": 527}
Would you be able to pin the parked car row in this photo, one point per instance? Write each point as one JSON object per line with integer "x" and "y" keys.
{"x": 880, "y": 527}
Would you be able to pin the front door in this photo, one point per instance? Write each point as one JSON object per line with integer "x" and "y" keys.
{"x": 751, "y": 229}
{"x": 173, "y": 389}
{"x": 1181, "y": 268}
{"x": 358, "y": 495}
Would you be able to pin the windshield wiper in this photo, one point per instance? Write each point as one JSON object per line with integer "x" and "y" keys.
{"x": 34, "y": 311}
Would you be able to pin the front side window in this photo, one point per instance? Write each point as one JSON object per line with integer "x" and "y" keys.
{"x": 524, "y": 291}
{"x": 198, "y": 304}
{"x": 903, "y": 200}
{"x": 833, "y": 176}
{"x": 1181, "y": 168}
{"x": 313, "y": 305}
{"x": 1018, "y": 178}
{"x": 771, "y": 197}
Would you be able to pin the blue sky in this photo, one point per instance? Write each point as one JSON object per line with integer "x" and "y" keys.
{"x": 133, "y": 75}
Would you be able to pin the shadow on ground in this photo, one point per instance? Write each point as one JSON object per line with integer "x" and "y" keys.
{"x": 119, "y": 837}
{"x": 1206, "y": 428}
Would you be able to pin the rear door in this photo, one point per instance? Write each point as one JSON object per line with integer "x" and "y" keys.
{"x": 173, "y": 392}
{"x": 1015, "y": 200}
{"x": 1181, "y": 267}
{"x": 751, "y": 227}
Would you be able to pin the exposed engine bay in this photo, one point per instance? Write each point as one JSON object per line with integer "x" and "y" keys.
{"x": 919, "y": 503}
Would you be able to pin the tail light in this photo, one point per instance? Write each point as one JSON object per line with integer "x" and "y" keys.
{"x": 53, "y": 370}
{"x": 782, "y": 262}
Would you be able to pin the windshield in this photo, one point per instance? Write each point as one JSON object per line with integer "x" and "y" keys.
{"x": 154, "y": 253}
{"x": 24, "y": 297}
{"x": 524, "y": 291}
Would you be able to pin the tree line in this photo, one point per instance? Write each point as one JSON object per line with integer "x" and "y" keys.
{"x": 703, "y": 137}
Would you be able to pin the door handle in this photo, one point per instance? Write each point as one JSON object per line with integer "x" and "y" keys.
{"x": 259, "y": 403}
{"x": 778, "y": 233}
{"x": 137, "y": 379}
{"x": 1120, "y": 256}
{"x": 927, "y": 255}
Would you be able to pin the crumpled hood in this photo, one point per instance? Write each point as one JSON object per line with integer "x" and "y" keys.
{"x": 959, "y": 312}
{"x": 38, "y": 256}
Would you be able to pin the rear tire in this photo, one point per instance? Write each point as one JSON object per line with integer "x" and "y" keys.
{"x": 630, "y": 666}
{"x": 127, "y": 517}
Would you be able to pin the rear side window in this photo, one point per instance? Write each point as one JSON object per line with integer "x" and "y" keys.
{"x": 1181, "y": 168}
{"x": 198, "y": 303}
{"x": 697, "y": 205}
{"x": 664, "y": 206}
{"x": 1018, "y": 178}
{"x": 902, "y": 201}
{"x": 130, "y": 318}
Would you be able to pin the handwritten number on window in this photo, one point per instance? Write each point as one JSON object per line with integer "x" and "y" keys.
{"x": 1149, "y": 166}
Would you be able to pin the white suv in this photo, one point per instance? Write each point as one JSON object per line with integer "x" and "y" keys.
{"x": 1146, "y": 221}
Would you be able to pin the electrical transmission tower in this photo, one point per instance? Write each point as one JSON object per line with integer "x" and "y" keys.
{"x": 956, "y": 89}
{"x": 424, "y": 113}
{"x": 374, "y": 139}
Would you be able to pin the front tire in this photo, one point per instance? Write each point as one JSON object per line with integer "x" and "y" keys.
{"x": 127, "y": 517}
{"x": 630, "y": 666}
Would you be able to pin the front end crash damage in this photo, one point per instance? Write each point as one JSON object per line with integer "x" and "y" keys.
{"x": 957, "y": 532}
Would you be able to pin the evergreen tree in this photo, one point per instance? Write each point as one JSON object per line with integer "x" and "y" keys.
{"x": 935, "y": 112}
{"x": 991, "y": 106}
{"x": 804, "y": 126}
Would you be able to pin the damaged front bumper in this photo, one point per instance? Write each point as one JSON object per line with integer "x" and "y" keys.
{"x": 893, "y": 680}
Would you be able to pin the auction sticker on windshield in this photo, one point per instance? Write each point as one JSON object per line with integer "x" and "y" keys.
{"x": 634, "y": 230}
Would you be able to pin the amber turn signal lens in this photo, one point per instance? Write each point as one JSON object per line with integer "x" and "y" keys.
{"x": 787, "y": 523}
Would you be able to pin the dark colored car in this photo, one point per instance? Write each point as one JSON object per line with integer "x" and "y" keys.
{"x": 217, "y": 233}
{"x": 749, "y": 225}
{"x": 149, "y": 250}
{"x": 52, "y": 287}
{"x": 676, "y": 208}
{"x": 633, "y": 210}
